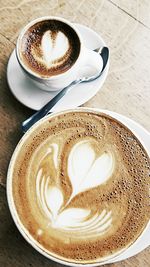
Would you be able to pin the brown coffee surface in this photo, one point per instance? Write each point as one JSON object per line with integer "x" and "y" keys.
{"x": 81, "y": 186}
{"x": 49, "y": 47}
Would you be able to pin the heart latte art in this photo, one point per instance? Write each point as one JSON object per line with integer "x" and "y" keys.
{"x": 83, "y": 175}
{"x": 81, "y": 186}
{"x": 49, "y": 47}
{"x": 53, "y": 49}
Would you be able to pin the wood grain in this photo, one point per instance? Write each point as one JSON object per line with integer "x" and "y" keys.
{"x": 125, "y": 26}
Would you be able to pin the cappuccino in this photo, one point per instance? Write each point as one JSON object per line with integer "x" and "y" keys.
{"x": 49, "y": 47}
{"x": 80, "y": 186}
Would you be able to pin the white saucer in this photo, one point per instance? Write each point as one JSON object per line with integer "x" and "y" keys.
{"x": 31, "y": 96}
{"x": 144, "y": 136}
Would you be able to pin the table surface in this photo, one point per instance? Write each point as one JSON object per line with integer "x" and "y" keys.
{"x": 125, "y": 26}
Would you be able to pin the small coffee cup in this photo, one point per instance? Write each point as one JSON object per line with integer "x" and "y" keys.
{"x": 51, "y": 52}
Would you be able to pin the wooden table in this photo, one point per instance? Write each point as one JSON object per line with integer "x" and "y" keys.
{"x": 125, "y": 26}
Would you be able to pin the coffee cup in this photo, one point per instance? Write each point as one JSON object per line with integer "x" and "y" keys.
{"x": 51, "y": 52}
{"x": 78, "y": 187}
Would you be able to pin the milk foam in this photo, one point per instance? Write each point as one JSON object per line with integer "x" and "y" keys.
{"x": 85, "y": 171}
{"x": 49, "y": 47}
{"x": 54, "y": 48}
{"x": 72, "y": 177}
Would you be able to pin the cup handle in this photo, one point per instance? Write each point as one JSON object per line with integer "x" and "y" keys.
{"x": 92, "y": 62}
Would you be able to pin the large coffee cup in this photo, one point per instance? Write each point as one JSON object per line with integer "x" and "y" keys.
{"x": 78, "y": 187}
{"x": 51, "y": 52}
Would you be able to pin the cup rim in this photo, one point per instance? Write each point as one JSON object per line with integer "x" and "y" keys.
{"x": 31, "y": 23}
{"x": 28, "y": 237}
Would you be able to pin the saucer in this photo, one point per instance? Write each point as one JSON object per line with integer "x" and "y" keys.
{"x": 33, "y": 97}
{"x": 144, "y": 136}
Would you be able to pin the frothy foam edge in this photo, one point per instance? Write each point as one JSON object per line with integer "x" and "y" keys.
{"x": 117, "y": 253}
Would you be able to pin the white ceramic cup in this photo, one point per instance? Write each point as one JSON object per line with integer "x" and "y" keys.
{"x": 88, "y": 62}
{"x": 13, "y": 210}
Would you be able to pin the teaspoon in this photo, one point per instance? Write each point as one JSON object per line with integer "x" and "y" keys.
{"x": 104, "y": 53}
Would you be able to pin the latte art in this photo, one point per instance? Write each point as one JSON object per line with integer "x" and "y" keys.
{"x": 91, "y": 173}
{"x": 81, "y": 186}
{"x": 54, "y": 49}
{"x": 49, "y": 47}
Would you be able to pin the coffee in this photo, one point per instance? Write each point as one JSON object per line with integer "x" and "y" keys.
{"x": 81, "y": 186}
{"x": 49, "y": 47}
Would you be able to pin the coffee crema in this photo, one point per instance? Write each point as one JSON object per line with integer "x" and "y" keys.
{"x": 81, "y": 186}
{"x": 49, "y": 47}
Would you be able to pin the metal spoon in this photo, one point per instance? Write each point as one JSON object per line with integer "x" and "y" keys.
{"x": 104, "y": 52}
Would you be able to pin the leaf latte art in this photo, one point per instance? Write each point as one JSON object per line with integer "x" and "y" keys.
{"x": 81, "y": 186}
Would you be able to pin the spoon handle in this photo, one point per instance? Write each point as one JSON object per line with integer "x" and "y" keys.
{"x": 44, "y": 110}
